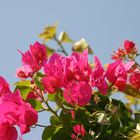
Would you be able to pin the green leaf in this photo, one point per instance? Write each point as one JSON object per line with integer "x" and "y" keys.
{"x": 50, "y": 51}
{"x": 51, "y": 97}
{"x": 35, "y": 104}
{"x": 64, "y": 38}
{"x": 66, "y": 119}
{"x": 87, "y": 137}
{"x": 48, "y": 33}
{"x": 37, "y": 77}
{"x": 24, "y": 91}
{"x": 59, "y": 99}
{"x": 49, "y": 131}
{"x": 54, "y": 120}
{"x": 24, "y": 87}
{"x": 62, "y": 134}
{"x": 80, "y": 114}
{"x": 56, "y": 97}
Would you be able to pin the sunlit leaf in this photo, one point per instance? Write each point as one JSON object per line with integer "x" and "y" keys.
{"x": 131, "y": 100}
{"x": 48, "y": 33}
{"x": 24, "y": 91}
{"x": 25, "y": 88}
{"x": 82, "y": 45}
{"x": 64, "y": 38}
{"x": 25, "y": 83}
{"x": 51, "y": 97}
{"x": 136, "y": 136}
{"x": 129, "y": 90}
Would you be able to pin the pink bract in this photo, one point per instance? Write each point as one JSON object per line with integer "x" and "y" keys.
{"x": 32, "y": 60}
{"x": 78, "y": 131}
{"x": 78, "y": 93}
{"x": 77, "y": 67}
{"x": 130, "y": 46}
{"x": 8, "y": 132}
{"x": 119, "y": 54}
{"x": 98, "y": 77}
{"x": 4, "y": 86}
{"x": 135, "y": 80}
{"x": 117, "y": 74}
{"x": 54, "y": 71}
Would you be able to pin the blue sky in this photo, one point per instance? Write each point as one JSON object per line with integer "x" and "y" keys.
{"x": 104, "y": 24}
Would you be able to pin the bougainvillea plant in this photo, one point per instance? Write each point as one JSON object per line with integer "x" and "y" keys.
{"x": 83, "y": 108}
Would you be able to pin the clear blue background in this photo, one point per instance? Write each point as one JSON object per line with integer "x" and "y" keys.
{"x": 104, "y": 24}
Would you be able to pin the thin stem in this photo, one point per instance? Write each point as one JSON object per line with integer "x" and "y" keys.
{"x": 51, "y": 110}
{"x": 137, "y": 65}
{"x": 61, "y": 46}
{"x": 46, "y": 103}
{"x": 40, "y": 125}
{"x": 41, "y": 110}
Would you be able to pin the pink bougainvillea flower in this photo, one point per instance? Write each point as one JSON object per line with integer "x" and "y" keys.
{"x": 26, "y": 115}
{"x": 98, "y": 77}
{"x": 78, "y": 131}
{"x": 78, "y": 93}
{"x": 61, "y": 70}
{"x": 51, "y": 84}
{"x": 82, "y": 68}
{"x": 135, "y": 80}
{"x": 77, "y": 67}
{"x": 130, "y": 47}
{"x": 54, "y": 71}
{"x": 14, "y": 111}
{"x": 8, "y": 118}
{"x": 4, "y": 86}
{"x": 120, "y": 54}
{"x": 117, "y": 74}
{"x": 32, "y": 60}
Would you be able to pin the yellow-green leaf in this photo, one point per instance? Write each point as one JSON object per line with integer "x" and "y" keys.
{"x": 64, "y": 38}
{"x": 129, "y": 90}
{"x": 48, "y": 33}
{"x": 25, "y": 88}
{"x": 82, "y": 45}
{"x": 50, "y": 51}
{"x": 25, "y": 83}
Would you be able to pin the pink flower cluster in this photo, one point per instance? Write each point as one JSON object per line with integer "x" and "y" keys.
{"x": 74, "y": 75}
{"x": 117, "y": 73}
{"x": 129, "y": 48}
{"x": 130, "y": 71}
{"x": 79, "y": 132}
{"x": 14, "y": 112}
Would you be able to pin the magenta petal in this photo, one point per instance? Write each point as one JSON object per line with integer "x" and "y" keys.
{"x": 78, "y": 93}
{"x": 12, "y": 133}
